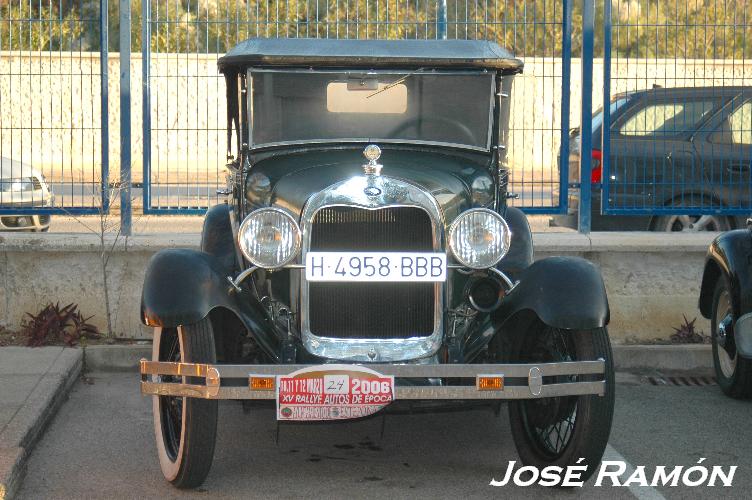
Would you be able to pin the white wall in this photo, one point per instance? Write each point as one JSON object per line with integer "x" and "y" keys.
{"x": 652, "y": 279}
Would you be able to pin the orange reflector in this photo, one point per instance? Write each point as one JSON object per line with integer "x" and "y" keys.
{"x": 262, "y": 383}
{"x": 490, "y": 383}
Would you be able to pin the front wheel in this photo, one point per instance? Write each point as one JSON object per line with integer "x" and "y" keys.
{"x": 185, "y": 428}
{"x": 562, "y": 430}
{"x": 732, "y": 372}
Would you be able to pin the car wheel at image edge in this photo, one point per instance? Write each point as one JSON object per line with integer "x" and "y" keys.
{"x": 562, "y": 430}
{"x": 692, "y": 223}
{"x": 185, "y": 428}
{"x": 733, "y": 373}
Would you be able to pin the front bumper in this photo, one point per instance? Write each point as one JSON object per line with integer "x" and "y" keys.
{"x": 25, "y": 221}
{"x": 521, "y": 381}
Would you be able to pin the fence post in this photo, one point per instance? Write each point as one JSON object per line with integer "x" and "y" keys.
{"x": 566, "y": 84}
{"x": 441, "y": 20}
{"x": 125, "y": 117}
{"x": 146, "y": 101}
{"x": 104, "y": 120}
{"x": 586, "y": 120}
{"x": 606, "y": 124}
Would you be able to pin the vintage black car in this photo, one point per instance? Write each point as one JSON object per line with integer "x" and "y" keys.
{"x": 334, "y": 285}
{"x": 726, "y": 300}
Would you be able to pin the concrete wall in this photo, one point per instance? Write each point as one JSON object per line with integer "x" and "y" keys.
{"x": 188, "y": 110}
{"x": 652, "y": 279}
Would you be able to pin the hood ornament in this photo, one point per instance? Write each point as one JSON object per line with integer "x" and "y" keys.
{"x": 372, "y": 153}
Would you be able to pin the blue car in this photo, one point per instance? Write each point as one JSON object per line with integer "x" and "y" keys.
{"x": 670, "y": 147}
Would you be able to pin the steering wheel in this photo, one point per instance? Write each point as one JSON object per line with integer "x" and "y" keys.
{"x": 414, "y": 122}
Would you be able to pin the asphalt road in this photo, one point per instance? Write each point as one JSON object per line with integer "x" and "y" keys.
{"x": 101, "y": 445}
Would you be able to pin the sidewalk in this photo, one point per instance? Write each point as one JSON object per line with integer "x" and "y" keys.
{"x": 34, "y": 382}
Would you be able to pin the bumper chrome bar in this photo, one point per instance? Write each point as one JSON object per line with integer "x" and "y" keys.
{"x": 531, "y": 376}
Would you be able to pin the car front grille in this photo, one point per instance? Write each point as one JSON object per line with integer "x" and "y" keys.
{"x": 371, "y": 310}
{"x": 36, "y": 182}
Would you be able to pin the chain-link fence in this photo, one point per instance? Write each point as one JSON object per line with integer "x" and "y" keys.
{"x": 184, "y": 133}
{"x": 679, "y": 111}
{"x": 676, "y": 74}
{"x": 53, "y": 110}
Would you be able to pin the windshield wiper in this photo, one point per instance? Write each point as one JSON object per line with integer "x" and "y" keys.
{"x": 395, "y": 83}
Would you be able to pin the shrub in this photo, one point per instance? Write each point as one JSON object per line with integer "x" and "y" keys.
{"x": 57, "y": 324}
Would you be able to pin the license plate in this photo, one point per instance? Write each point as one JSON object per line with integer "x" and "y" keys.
{"x": 332, "y": 392}
{"x": 375, "y": 266}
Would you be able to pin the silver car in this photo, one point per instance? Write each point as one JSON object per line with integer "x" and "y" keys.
{"x": 22, "y": 186}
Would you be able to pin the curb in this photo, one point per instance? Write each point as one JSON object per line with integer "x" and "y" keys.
{"x": 27, "y": 427}
{"x": 690, "y": 357}
{"x": 115, "y": 358}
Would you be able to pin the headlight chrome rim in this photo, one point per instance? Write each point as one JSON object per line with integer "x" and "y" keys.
{"x": 296, "y": 239}
{"x": 506, "y": 237}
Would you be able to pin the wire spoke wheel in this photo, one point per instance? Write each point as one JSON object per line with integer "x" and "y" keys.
{"x": 566, "y": 430}
{"x": 551, "y": 421}
{"x": 184, "y": 428}
{"x": 170, "y": 407}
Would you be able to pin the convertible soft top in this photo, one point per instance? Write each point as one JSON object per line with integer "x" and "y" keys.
{"x": 370, "y": 53}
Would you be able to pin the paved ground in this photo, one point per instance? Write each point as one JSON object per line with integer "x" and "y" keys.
{"x": 101, "y": 446}
{"x": 33, "y": 384}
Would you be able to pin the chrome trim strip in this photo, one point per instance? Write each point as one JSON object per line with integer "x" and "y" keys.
{"x": 597, "y": 388}
{"x": 366, "y": 140}
{"x": 213, "y": 390}
{"x": 394, "y": 193}
{"x": 510, "y": 370}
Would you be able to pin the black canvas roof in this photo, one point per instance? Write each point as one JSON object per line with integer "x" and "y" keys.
{"x": 370, "y": 53}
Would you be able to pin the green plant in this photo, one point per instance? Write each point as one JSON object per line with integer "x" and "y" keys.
{"x": 54, "y": 323}
{"x": 41, "y": 26}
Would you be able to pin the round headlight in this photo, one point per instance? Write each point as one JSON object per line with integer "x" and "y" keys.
{"x": 269, "y": 238}
{"x": 479, "y": 238}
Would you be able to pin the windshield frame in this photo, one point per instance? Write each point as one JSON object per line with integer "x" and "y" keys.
{"x": 401, "y": 73}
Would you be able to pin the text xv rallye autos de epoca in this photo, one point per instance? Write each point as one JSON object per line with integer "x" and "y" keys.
{"x": 336, "y": 285}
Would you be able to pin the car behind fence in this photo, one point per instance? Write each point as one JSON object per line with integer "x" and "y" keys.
{"x": 96, "y": 96}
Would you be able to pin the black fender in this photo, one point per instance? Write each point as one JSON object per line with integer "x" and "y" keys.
{"x": 728, "y": 258}
{"x": 183, "y": 286}
{"x": 520, "y": 254}
{"x": 217, "y": 238}
{"x": 564, "y": 292}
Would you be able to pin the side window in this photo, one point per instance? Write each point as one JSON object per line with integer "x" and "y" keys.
{"x": 736, "y": 128}
{"x": 666, "y": 119}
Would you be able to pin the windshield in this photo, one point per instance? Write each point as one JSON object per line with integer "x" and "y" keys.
{"x": 418, "y": 106}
